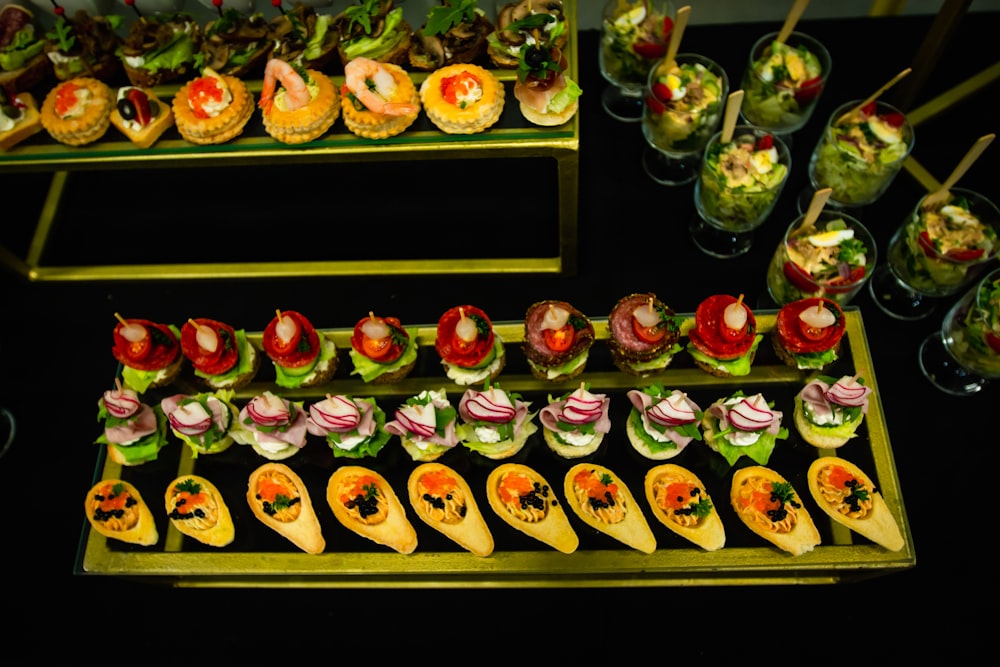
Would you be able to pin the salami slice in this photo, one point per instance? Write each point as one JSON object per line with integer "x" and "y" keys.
{"x": 225, "y": 355}
{"x": 160, "y": 353}
{"x": 792, "y": 331}
{"x": 708, "y": 336}
{"x": 304, "y": 353}
{"x": 456, "y": 351}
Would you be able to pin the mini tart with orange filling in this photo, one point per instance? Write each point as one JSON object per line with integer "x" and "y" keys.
{"x": 443, "y": 500}
{"x": 524, "y": 500}
{"x": 116, "y": 510}
{"x": 770, "y": 507}
{"x": 681, "y": 502}
{"x": 196, "y": 508}
{"x": 371, "y": 125}
{"x": 848, "y": 496}
{"x": 364, "y": 503}
{"x": 297, "y": 126}
{"x": 213, "y": 108}
{"x": 462, "y": 98}
{"x": 280, "y": 500}
{"x": 602, "y": 501}
{"x": 78, "y": 112}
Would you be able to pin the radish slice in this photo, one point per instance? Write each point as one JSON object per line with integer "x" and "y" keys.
{"x": 121, "y": 404}
{"x": 491, "y": 406}
{"x": 582, "y": 407}
{"x": 268, "y": 410}
{"x": 672, "y": 411}
{"x": 190, "y": 419}
{"x": 848, "y": 391}
{"x": 336, "y": 413}
{"x": 419, "y": 420}
{"x": 751, "y": 414}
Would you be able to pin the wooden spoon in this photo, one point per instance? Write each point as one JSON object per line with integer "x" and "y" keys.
{"x": 943, "y": 194}
{"x": 793, "y": 17}
{"x": 680, "y": 22}
{"x": 874, "y": 96}
{"x": 732, "y": 114}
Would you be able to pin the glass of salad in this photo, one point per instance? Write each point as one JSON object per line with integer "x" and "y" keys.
{"x": 964, "y": 356}
{"x": 634, "y": 35}
{"x": 739, "y": 184}
{"x": 783, "y": 82}
{"x": 683, "y": 109}
{"x": 937, "y": 251}
{"x": 832, "y": 257}
{"x": 860, "y": 152}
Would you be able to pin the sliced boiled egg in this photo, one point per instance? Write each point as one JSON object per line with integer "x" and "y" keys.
{"x": 885, "y": 132}
{"x": 959, "y": 215}
{"x": 677, "y": 88}
{"x": 831, "y": 238}
{"x": 634, "y": 16}
{"x": 762, "y": 162}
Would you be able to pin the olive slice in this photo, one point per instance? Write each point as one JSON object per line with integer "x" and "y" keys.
{"x": 126, "y": 108}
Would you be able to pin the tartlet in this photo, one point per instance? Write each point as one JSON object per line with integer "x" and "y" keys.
{"x": 116, "y": 510}
{"x": 525, "y": 501}
{"x": 681, "y": 502}
{"x": 443, "y": 500}
{"x": 364, "y": 503}
{"x": 603, "y": 501}
{"x": 770, "y": 507}
{"x": 196, "y": 508}
{"x": 848, "y": 496}
{"x": 396, "y": 110}
{"x": 280, "y": 500}
{"x": 78, "y": 112}
{"x": 212, "y": 108}
{"x": 462, "y": 98}
{"x": 290, "y": 123}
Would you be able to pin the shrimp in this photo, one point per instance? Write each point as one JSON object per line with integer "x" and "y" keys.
{"x": 296, "y": 92}
{"x": 373, "y": 85}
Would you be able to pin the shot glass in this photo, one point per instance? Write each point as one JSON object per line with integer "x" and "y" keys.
{"x": 783, "y": 82}
{"x": 860, "y": 153}
{"x": 964, "y": 356}
{"x": 738, "y": 186}
{"x": 683, "y": 110}
{"x": 832, "y": 257}
{"x": 937, "y": 252}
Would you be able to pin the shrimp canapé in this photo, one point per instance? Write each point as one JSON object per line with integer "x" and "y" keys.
{"x": 375, "y": 87}
{"x": 292, "y": 81}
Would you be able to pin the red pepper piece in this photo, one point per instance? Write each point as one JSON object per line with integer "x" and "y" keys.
{"x": 869, "y": 109}
{"x": 140, "y": 101}
{"x": 765, "y": 143}
{"x": 927, "y": 245}
{"x": 655, "y": 105}
{"x": 809, "y": 90}
{"x": 894, "y": 119}
{"x": 650, "y": 50}
{"x": 662, "y": 92}
{"x": 798, "y": 277}
{"x": 993, "y": 341}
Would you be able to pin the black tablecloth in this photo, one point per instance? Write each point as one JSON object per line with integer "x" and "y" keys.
{"x": 632, "y": 238}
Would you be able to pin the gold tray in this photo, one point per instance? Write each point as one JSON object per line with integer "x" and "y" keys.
{"x": 260, "y": 558}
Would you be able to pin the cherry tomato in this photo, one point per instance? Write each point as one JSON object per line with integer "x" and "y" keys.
{"x": 560, "y": 340}
{"x": 140, "y": 348}
{"x": 814, "y": 334}
{"x": 842, "y": 284}
{"x": 376, "y": 348}
{"x": 649, "y": 50}
{"x": 653, "y": 334}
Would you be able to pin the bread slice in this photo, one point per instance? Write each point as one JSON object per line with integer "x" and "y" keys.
{"x": 145, "y": 136}
{"x": 364, "y": 503}
{"x": 29, "y": 125}
{"x": 817, "y": 436}
{"x": 443, "y": 500}
{"x": 116, "y": 510}
{"x": 680, "y": 501}
{"x": 751, "y": 493}
{"x": 280, "y": 500}
{"x": 548, "y": 118}
{"x": 870, "y": 517}
{"x": 618, "y": 516}
{"x": 525, "y": 500}
{"x": 571, "y": 451}
{"x": 196, "y": 508}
